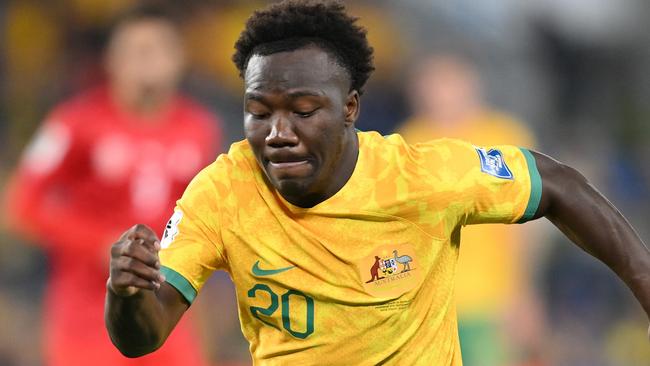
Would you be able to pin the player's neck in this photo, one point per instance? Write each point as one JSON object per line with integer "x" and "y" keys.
{"x": 145, "y": 104}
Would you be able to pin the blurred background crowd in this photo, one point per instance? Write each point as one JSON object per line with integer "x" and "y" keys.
{"x": 570, "y": 78}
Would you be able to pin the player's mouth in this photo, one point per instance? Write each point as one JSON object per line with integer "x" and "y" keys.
{"x": 288, "y": 164}
{"x": 289, "y": 167}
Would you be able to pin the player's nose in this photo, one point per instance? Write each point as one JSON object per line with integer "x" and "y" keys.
{"x": 281, "y": 133}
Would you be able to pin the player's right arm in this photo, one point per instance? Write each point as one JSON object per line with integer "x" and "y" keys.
{"x": 153, "y": 283}
{"x": 141, "y": 308}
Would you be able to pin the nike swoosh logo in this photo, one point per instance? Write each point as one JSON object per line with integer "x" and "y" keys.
{"x": 257, "y": 271}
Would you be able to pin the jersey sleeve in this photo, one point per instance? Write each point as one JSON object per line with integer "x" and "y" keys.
{"x": 191, "y": 244}
{"x": 497, "y": 184}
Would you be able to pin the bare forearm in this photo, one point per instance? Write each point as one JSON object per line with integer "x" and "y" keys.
{"x": 136, "y": 323}
{"x": 141, "y": 308}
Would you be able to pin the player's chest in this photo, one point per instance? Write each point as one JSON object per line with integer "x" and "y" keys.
{"x": 373, "y": 258}
{"x": 119, "y": 155}
{"x": 308, "y": 275}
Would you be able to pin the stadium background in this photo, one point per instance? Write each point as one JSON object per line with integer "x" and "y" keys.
{"x": 577, "y": 72}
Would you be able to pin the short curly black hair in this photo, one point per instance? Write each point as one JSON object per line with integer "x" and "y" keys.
{"x": 292, "y": 24}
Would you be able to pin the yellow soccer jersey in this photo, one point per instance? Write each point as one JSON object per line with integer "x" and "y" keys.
{"x": 363, "y": 278}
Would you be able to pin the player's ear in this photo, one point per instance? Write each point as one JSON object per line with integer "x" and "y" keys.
{"x": 352, "y": 108}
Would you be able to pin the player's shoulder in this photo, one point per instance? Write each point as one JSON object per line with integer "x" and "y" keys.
{"x": 76, "y": 108}
{"x": 375, "y": 139}
{"x": 378, "y": 144}
{"x": 441, "y": 148}
{"x": 397, "y": 142}
{"x": 230, "y": 175}
{"x": 238, "y": 162}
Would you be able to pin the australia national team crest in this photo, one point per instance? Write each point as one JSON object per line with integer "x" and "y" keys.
{"x": 390, "y": 270}
{"x": 492, "y": 163}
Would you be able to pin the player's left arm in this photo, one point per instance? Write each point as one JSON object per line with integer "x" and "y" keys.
{"x": 586, "y": 217}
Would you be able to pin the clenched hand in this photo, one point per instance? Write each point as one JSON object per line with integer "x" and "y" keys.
{"x": 134, "y": 262}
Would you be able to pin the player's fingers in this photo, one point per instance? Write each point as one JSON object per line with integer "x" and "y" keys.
{"x": 126, "y": 279}
{"x": 141, "y": 231}
{"x": 125, "y": 235}
{"x": 152, "y": 244}
{"x": 136, "y": 250}
{"x": 148, "y": 245}
{"x": 140, "y": 269}
{"x": 150, "y": 240}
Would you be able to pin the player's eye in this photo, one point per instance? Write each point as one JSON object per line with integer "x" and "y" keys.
{"x": 305, "y": 114}
{"x": 259, "y": 115}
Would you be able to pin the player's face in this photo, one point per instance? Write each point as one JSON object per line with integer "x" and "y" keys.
{"x": 299, "y": 120}
{"x": 144, "y": 59}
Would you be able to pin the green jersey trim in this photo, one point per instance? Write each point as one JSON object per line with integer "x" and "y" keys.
{"x": 535, "y": 187}
{"x": 180, "y": 283}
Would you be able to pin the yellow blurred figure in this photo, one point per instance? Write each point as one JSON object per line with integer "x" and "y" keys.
{"x": 446, "y": 96}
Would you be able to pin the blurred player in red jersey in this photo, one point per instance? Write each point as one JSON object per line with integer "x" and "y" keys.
{"x": 114, "y": 155}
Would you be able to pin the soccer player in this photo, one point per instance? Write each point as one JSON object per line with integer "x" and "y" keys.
{"x": 342, "y": 244}
{"x": 113, "y": 155}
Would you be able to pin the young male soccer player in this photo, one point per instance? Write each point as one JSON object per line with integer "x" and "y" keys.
{"x": 342, "y": 244}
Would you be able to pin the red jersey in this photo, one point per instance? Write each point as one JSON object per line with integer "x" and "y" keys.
{"x": 92, "y": 171}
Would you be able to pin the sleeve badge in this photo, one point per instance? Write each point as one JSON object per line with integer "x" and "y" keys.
{"x": 171, "y": 229}
{"x": 493, "y": 163}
